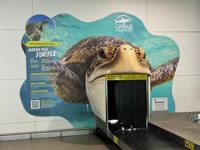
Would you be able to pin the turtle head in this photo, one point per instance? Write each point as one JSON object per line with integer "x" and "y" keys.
{"x": 118, "y": 59}
{"x": 111, "y": 60}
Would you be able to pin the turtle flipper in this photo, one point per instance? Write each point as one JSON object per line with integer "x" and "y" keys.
{"x": 164, "y": 72}
{"x": 67, "y": 85}
{"x": 37, "y": 36}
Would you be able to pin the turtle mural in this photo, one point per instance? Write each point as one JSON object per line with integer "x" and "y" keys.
{"x": 84, "y": 66}
{"x": 85, "y": 53}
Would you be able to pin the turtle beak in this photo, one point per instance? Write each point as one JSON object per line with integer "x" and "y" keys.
{"x": 126, "y": 61}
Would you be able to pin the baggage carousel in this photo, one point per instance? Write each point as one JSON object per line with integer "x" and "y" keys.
{"x": 129, "y": 123}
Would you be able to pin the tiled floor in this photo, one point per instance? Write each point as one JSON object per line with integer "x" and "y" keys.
{"x": 83, "y": 142}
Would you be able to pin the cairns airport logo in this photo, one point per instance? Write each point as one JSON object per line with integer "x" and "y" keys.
{"x": 123, "y": 23}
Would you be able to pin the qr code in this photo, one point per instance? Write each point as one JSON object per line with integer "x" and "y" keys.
{"x": 35, "y": 104}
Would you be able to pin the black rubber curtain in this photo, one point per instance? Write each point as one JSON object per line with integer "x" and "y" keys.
{"x": 127, "y": 103}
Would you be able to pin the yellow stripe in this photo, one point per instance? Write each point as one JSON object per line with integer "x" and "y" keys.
{"x": 189, "y": 145}
{"x": 115, "y": 139}
{"x": 41, "y": 43}
{"x": 126, "y": 77}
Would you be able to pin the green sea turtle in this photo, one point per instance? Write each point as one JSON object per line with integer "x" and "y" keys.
{"x": 34, "y": 30}
{"x": 94, "y": 57}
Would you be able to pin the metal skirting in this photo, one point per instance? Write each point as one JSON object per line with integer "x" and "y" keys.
{"x": 173, "y": 137}
{"x": 48, "y": 134}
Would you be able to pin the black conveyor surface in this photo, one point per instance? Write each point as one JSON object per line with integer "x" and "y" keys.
{"x": 145, "y": 139}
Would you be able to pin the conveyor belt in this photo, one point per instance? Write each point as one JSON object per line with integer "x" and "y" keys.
{"x": 127, "y": 103}
{"x": 145, "y": 139}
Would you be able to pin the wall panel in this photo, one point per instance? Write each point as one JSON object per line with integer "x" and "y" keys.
{"x": 186, "y": 93}
{"x": 188, "y": 70}
{"x": 11, "y": 88}
{"x": 17, "y": 128}
{"x": 14, "y": 113}
{"x": 12, "y": 110}
{"x": 186, "y": 82}
{"x": 78, "y": 8}
{"x": 14, "y": 14}
{"x": 12, "y": 67}
{"x": 12, "y": 58}
{"x": 174, "y": 15}
{"x": 11, "y": 42}
{"x": 188, "y": 106}
{"x": 58, "y": 118}
{"x": 52, "y": 125}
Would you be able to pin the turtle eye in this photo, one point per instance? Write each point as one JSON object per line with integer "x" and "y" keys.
{"x": 144, "y": 56}
{"x": 102, "y": 54}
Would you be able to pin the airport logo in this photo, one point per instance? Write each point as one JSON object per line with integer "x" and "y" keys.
{"x": 123, "y": 23}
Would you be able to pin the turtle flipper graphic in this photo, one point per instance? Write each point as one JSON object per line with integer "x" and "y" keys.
{"x": 164, "y": 72}
{"x": 68, "y": 85}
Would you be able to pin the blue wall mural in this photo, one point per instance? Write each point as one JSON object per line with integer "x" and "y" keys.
{"x": 46, "y": 43}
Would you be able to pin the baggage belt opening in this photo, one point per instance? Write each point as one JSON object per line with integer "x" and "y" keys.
{"x": 127, "y": 100}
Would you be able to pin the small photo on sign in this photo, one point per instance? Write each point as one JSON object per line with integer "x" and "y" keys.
{"x": 40, "y": 28}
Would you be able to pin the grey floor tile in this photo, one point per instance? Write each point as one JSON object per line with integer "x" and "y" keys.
{"x": 83, "y": 142}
